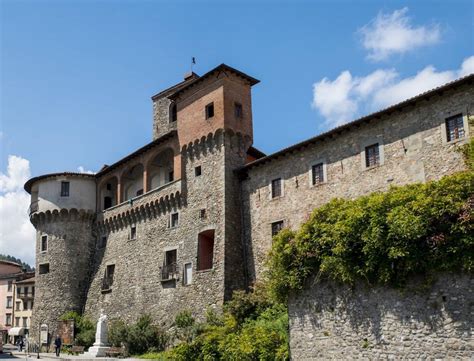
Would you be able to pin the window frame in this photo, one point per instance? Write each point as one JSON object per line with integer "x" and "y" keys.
{"x": 185, "y": 283}
{"x": 449, "y": 113}
{"x": 65, "y": 191}
{"x": 368, "y": 143}
{"x": 171, "y": 220}
{"x": 207, "y": 111}
{"x": 42, "y": 265}
{"x": 282, "y": 193}
{"x": 238, "y": 110}
{"x": 311, "y": 176}
{"x": 279, "y": 221}
{"x": 133, "y": 235}
{"x": 197, "y": 171}
{"x": 457, "y": 138}
{"x": 41, "y": 243}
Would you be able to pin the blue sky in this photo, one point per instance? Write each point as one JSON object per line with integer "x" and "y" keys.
{"x": 77, "y": 76}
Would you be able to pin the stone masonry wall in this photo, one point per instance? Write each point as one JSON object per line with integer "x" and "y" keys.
{"x": 69, "y": 248}
{"x": 414, "y": 150}
{"x": 331, "y": 321}
{"x": 137, "y": 288}
{"x": 161, "y": 117}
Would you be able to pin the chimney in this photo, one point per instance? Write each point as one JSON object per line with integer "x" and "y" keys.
{"x": 190, "y": 75}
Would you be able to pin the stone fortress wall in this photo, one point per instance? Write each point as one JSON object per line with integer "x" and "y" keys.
{"x": 333, "y": 321}
{"x": 413, "y": 148}
{"x": 206, "y": 179}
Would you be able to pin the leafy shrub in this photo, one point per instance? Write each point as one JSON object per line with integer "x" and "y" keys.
{"x": 381, "y": 238}
{"x": 138, "y": 338}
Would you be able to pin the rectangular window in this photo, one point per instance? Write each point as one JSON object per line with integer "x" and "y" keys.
{"x": 108, "y": 280}
{"x": 44, "y": 243}
{"x": 17, "y": 321}
{"x": 276, "y": 188}
{"x": 205, "y": 250}
{"x": 317, "y": 174}
{"x": 10, "y": 286}
{"x": 18, "y": 303}
{"x": 107, "y": 202}
{"x": 169, "y": 270}
{"x": 64, "y": 189}
{"x": 25, "y": 305}
{"x": 9, "y": 301}
{"x": 197, "y": 171}
{"x": 171, "y": 176}
{"x": 174, "y": 220}
{"x": 188, "y": 274}
{"x": 276, "y": 227}
{"x": 25, "y": 322}
{"x": 209, "y": 110}
{"x": 44, "y": 268}
{"x": 372, "y": 156}
{"x": 202, "y": 213}
{"x": 8, "y": 319}
{"x": 18, "y": 291}
{"x": 31, "y": 305}
{"x": 133, "y": 232}
{"x": 454, "y": 128}
{"x": 238, "y": 110}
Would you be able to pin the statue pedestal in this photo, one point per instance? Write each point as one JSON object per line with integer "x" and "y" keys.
{"x": 97, "y": 350}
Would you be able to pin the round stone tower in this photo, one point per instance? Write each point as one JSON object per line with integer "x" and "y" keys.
{"x": 63, "y": 207}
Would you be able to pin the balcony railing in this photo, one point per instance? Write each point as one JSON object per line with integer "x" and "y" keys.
{"x": 107, "y": 283}
{"x": 169, "y": 272}
{"x": 25, "y": 294}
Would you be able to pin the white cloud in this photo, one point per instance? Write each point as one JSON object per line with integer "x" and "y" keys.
{"x": 17, "y": 234}
{"x": 81, "y": 169}
{"x": 343, "y": 99}
{"x": 393, "y": 33}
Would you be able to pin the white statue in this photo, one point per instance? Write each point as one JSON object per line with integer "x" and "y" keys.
{"x": 101, "y": 332}
{"x": 100, "y": 344}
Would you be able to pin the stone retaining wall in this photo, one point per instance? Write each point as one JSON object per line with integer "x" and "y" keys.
{"x": 329, "y": 321}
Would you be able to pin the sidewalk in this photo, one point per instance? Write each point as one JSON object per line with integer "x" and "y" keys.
{"x": 63, "y": 357}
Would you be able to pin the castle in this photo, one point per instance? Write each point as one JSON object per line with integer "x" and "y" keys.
{"x": 188, "y": 218}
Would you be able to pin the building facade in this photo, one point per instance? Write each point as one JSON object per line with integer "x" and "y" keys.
{"x": 188, "y": 218}
{"x": 11, "y": 301}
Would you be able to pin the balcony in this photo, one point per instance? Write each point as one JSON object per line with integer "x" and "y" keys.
{"x": 25, "y": 295}
{"x": 169, "y": 272}
{"x": 163, "y": 193}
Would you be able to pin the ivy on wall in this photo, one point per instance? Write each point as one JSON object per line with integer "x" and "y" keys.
{"x": 382, "y": 238}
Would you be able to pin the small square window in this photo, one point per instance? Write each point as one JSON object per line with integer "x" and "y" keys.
{"x": 64, "y": 189}
{"x": 276, "y": 188}
{"x": 209, "y": 110}
{"x": 202, "y": 213}
{"x": 238, "y": 110}
{"x": 44, "y": 243}
{"x": 174, "y": 220}
{"x": 454, "y": 128}
{"x": 276, "y": 227}
{"x": 372, "y": 155}
{"x": 133, "y": 233}
{"x": 317, "y": 173}
{"x": 197, "y": 171}
{"x": 43, "y": 268}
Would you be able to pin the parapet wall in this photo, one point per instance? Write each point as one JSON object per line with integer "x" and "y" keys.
{"x": 330, "y": 321}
